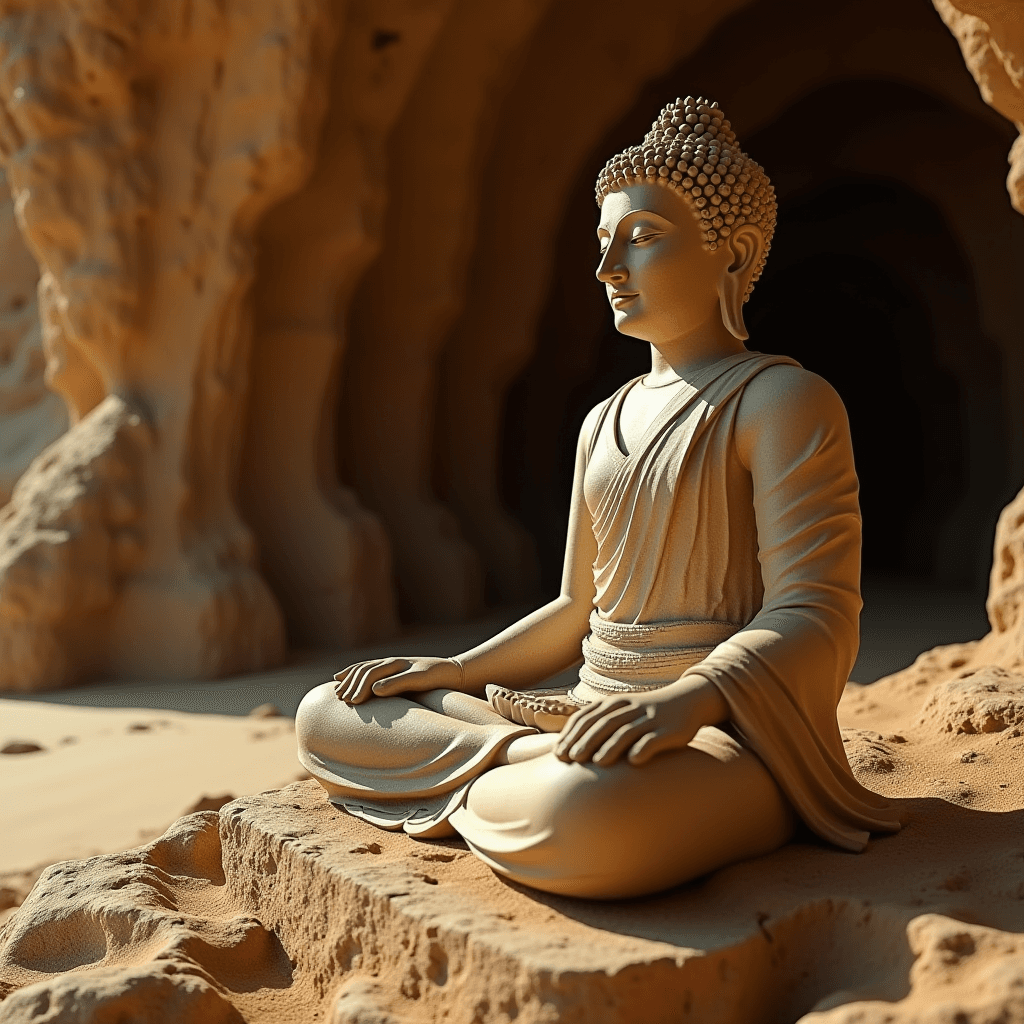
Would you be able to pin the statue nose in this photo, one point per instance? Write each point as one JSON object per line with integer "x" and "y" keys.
{"x": 608, "y": 273}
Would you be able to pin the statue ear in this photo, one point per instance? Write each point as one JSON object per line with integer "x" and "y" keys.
{"x": 745, "y": 246}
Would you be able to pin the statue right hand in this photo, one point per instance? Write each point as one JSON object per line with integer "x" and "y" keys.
{"x": 385, "y": 677}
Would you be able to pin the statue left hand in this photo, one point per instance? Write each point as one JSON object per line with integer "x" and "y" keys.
{"x": 644, "y": 724}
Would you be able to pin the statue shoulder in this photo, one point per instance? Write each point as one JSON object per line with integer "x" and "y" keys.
{"x": 785, "y": 402}
{"x": 592, "y": 421}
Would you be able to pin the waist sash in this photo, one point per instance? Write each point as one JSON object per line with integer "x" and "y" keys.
{"x": 622, "y": 657}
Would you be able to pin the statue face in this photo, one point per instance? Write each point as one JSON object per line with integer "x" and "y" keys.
{"x": 661, "y": 281}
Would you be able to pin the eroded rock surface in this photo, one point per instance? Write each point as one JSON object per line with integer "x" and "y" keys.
{"x": 281, "y": 907}
{"x": 31, "y": 417}
{"x": 144, "y": 935}
{"x": 988, "y": 701}
{"x": 991, "y": 36}
{"x": 178, "y": 125}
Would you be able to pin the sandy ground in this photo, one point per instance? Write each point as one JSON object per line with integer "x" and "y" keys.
{"x": 104, "y": 768}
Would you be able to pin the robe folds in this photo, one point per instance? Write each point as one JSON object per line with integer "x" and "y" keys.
{"x": 764, "y": 560}
{"x": 748, "y": 577}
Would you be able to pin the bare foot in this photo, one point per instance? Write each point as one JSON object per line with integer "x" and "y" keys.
{"x": 531, "y": 707}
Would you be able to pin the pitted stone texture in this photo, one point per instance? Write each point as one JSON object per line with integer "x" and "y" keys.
{"x": 31, "y": 417}
{"x": 296, "y": 911}
{"x": 144, "y": 935}
{"x": 68, "y": 539}
{"x": 868, "y": 752}
{"x": 147, "y": 259}
{"x": 443, "y": 937}
{"x": 987, "y": 701}
{"x": 991, "y": 36}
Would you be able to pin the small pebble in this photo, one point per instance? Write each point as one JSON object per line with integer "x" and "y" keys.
{"x": 20, "y": 747}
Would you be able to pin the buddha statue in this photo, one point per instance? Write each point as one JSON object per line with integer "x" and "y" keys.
{"x": 711, "y": 583}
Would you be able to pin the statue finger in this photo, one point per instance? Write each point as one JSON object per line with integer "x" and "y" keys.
{"x": 346, "y": 688}
{"x": 592, "y": 712}
{"x": 348, "y": 679}
{"x": 583, "y": 750}
{"x": 580, "y": 724}
{"x": 361, "y": 691}
{"x": 373, "y": 672}
{"x": 353, "y": 693}
{"x": 621, "y": 741}
{"x": 652, "y": 743}
{"x": 395, "y": 682}
{"x": 346, "y": 671}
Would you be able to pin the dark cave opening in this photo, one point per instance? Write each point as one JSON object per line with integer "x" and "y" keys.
{"x": 866, "y": 285}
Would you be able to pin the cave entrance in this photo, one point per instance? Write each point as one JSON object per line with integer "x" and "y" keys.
{"x": 845, "y": 312}
{"x": 866, "y": 285}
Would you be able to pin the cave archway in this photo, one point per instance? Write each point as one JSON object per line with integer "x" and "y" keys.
{"x": 868, "y": 284}
{"x": 843, "y": 313}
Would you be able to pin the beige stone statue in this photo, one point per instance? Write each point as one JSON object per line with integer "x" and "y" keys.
{"x": 711, "y": 582}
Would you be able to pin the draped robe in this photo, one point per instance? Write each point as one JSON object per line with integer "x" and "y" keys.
{"x": 763, "y": 563}
{"x": 748, "y": 578}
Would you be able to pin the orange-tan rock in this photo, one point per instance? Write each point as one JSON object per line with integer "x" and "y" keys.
{"x": 31, "y": 417}
{"x": 123, "y": 552}
{"x": 281, "y": 908}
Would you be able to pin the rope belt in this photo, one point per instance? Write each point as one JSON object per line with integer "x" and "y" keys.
{"x": 621, "y": 657}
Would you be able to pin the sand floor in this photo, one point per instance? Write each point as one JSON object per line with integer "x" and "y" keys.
{"x": 105, "y": 768}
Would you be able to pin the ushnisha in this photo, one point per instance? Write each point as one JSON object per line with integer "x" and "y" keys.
{"x": 693, "y": 149}
{"x": 711, "y": 587}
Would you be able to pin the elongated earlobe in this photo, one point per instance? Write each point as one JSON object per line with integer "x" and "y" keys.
{"x": 745, "y": 245}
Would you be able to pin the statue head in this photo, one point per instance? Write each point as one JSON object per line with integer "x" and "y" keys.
{"x": 716, "y": 204}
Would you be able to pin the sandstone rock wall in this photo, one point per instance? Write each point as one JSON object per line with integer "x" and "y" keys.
{"x": 392, "y": 177}
{"x": 143, "y": 141}
{"x": 31, "y": 416}
{"x": 326, "y": 557}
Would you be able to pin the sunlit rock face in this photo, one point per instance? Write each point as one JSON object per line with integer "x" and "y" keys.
{"x": 327, "y": 260}
{"x": 281, "y": 907}
{"x": 31, "y": 416}
{"x": 142, "y": 144}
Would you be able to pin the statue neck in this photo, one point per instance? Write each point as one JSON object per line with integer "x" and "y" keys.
{"x": 688, "y": 354}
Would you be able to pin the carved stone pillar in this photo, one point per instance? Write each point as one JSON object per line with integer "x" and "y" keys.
{"x": 31, "y": 417}
{"x": 408, "y": 300}
{"x": 326, "y": 556}
{"x": 143, "y": 139}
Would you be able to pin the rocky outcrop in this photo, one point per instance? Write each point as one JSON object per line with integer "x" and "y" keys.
{"x": 991, "y": 36}
{"x": 142, "y": 145}
{"x": 281, "y": 907}
{"x": 1002, "y": 648}
{"x": 31, "y": 417}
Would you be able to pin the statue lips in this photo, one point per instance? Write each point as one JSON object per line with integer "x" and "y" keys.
{"x": 620, "y": 299}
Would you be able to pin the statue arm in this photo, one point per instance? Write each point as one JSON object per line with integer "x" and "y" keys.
{"x": 537, "y": 646}
{"x": 793, "y": 435}
{"x": 782, "y": 675}
{"x": 548, "y": 639}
